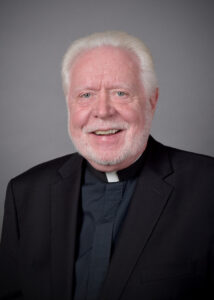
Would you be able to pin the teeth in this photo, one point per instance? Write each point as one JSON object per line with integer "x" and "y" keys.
{"x": 106, "y": 132}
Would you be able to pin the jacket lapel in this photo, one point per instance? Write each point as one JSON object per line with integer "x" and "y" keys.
{"x": 64, "y": 211}
{"x": 147, "y": 204}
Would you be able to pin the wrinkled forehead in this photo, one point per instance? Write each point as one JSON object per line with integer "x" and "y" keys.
{"x": 106, "y": 62}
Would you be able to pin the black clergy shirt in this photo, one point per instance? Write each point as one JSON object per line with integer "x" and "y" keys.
{"x": 103, "y": 209}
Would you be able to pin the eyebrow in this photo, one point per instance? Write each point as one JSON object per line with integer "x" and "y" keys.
{"x": 93, "y": 88}
{"x": 81, "y": 88}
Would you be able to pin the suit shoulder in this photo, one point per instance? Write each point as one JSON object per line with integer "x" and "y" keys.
{"x": 187, "y": 159}
{"x": 46, "y": 171}
{"x": 183, "y": 154}
{"x": 177, "y": 154}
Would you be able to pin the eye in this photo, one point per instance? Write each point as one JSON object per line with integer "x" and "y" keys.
{"x": 121, "y": 94}
{"x": 85, "y": 95}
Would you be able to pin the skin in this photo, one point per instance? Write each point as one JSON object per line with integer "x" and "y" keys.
{"x": 106, "y": 93}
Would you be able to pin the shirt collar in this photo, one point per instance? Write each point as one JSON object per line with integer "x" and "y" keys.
{"x": 123, "y": 175}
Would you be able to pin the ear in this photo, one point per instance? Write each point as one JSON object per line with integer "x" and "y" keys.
{"x": 154, "y": 99}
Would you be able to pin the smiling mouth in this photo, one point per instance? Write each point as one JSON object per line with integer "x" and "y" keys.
{"x": 106, "y": 132}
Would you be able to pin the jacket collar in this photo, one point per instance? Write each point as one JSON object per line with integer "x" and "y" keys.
{"x": 65, "y": 196}
{"x": 150, "y": 198}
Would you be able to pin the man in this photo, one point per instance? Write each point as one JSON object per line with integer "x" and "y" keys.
{"x": 126, "y": 218}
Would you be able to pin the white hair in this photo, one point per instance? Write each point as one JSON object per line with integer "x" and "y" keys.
{"x": 116, "y": 39}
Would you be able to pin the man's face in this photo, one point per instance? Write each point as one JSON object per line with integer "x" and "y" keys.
{"x": 109, "y": 115}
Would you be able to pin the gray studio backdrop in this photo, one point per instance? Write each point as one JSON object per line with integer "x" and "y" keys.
{"x": 33, "y": 38}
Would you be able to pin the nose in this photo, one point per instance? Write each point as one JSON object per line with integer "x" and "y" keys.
{"x": 103, "y": 107}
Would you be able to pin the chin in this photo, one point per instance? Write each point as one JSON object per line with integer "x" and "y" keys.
{"x": 106, "y": 160}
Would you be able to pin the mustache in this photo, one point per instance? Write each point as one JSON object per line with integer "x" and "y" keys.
{"x": 105, "y": 126}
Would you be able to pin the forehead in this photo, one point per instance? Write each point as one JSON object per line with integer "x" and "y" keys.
{"x": 106, "y": 63}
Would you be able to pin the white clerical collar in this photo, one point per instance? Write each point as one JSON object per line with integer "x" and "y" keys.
{"x": 112, "y": 177}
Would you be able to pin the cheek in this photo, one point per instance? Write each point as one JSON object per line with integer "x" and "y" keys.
{"x": 78, "y": 117}
{"x": 134, "y": 116}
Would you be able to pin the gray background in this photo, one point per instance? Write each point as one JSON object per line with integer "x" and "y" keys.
{"x": 33, "y": 38}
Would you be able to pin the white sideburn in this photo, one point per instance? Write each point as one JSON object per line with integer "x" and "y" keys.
{"x": 112, "y": 177}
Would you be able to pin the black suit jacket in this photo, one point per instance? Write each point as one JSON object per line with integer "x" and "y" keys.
{"x": 165, "y": 249}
